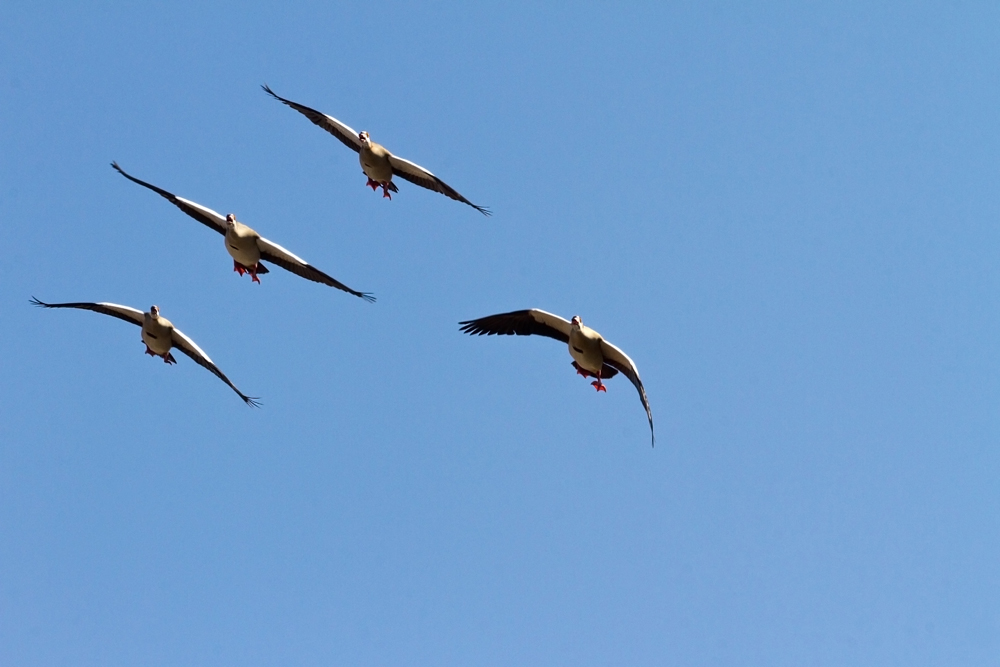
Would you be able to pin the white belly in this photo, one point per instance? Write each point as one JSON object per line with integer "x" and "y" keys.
{"x": 157, "y": 338}
{"x": 375, "y": 168}
{"x": 243, "y": 249}
{"x": 586, "y": 352}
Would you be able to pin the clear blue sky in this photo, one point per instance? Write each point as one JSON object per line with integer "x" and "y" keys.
{"x": 787, "y": 216}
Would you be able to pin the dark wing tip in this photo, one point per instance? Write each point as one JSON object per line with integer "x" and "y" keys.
{"x": 482, "y": 209}
{"x": 649, "y": 415}
{"x": 474, "y": 328}
{"x": 267, "y": 89}
{"x": 116, "y": 167}
{"x": 252, "y": 401}
{"x": 367, "y": 296}
{"x": 36, "y": 302}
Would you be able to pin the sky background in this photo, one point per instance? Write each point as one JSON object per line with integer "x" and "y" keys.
{"x": 786, "y": 215}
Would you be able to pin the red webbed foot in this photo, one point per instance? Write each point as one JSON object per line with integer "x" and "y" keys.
{"x": 385, "y": 191}
{"x": 169, "y": 359}
{"x": 243, "y": 270}
{"x": 373, "y": 185}
{"x": 150, "y": 352}
{"x": 599, "y": 386}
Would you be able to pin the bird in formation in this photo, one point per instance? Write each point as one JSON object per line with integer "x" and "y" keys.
{"x": 245, "y": 246}
{"x": 159, "y": 335}
{"x": 592, "y": 355}
{"x": 378, "y": 164}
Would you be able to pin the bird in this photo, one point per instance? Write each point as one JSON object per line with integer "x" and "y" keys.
{"x": 593, "y": 356}
{"x": 159, "y": 335}
{"x": 246, "y": 246}
{"x": 378, "y": 164}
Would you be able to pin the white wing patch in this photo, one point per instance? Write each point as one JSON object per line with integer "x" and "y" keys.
{"x": 409, "y": 167}
{"x": 275, "y": 249}
{"x": 617, "y": 355}
{"x": 133, "y": 314}
{"x": 220, "y": 220}
{"x": 184, "y": 341}
{"x": 552, "y": 321}
{"x": 343, "y": 129}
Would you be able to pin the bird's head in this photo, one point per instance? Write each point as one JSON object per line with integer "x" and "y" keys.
{"x": 230, "y": 220}
{"x": 576, "y": 321}
{"x": 365, "y": 139}
{"x": 154, "y": 311}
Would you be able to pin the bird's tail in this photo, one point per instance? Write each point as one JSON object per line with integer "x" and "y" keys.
{"x": 606, "y": 371}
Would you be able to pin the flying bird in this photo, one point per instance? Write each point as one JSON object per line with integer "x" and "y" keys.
{"x": 592, "y": 355}
{"x": 159, "y": 335}
{"x": 245, "y": 246}
{"x": 378, "y": 164}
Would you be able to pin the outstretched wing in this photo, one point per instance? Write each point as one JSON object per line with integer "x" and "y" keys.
{"x": 205, "y": 216}
{"x": 113, "y": 309}
{"x": 617, "y": 359}
{"x": 531, "y": 322}
{"x": 400, "y": 167}
{"x": 191, "y": 349}
{"x": 346, "y": 135}
{"x": 274, "y": 253}
{"x": 417, "y": 175}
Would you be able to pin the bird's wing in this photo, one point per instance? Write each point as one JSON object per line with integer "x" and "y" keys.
{"x": 416, "y": 174}
{"x": 205, "y": 216}
{"x": 346, "y": 135}
{"x": 191, "y": 349}
{"x": 274, "y": 253}
{"x": 113, "y": 309}
{"x": 521, "y": 323}
{"x": 615, "y": 358}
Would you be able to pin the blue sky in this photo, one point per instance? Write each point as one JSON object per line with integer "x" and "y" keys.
{"x": 786, "y": 215}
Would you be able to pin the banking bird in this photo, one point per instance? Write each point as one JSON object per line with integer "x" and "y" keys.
{"x": 592, "y": 355}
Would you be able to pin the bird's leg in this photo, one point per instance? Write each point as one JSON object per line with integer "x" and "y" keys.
{"x": 168, "y": 358}
{"x": 372, "y": 184}
{"x": 150, "y": 352}
{"x": 598, "y": 385}
{"x": 239, "y": 268}
{"x": 385, "y": 190}
{"x": 582, "y": 373}
{"x": 253, "y": 274}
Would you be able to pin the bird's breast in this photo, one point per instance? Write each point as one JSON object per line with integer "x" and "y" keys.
{"x": 156, "y": 335}
{"x": 586, "y": 351}
{"x": 243, "y": 248}
{"x": 375, "y": 163}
